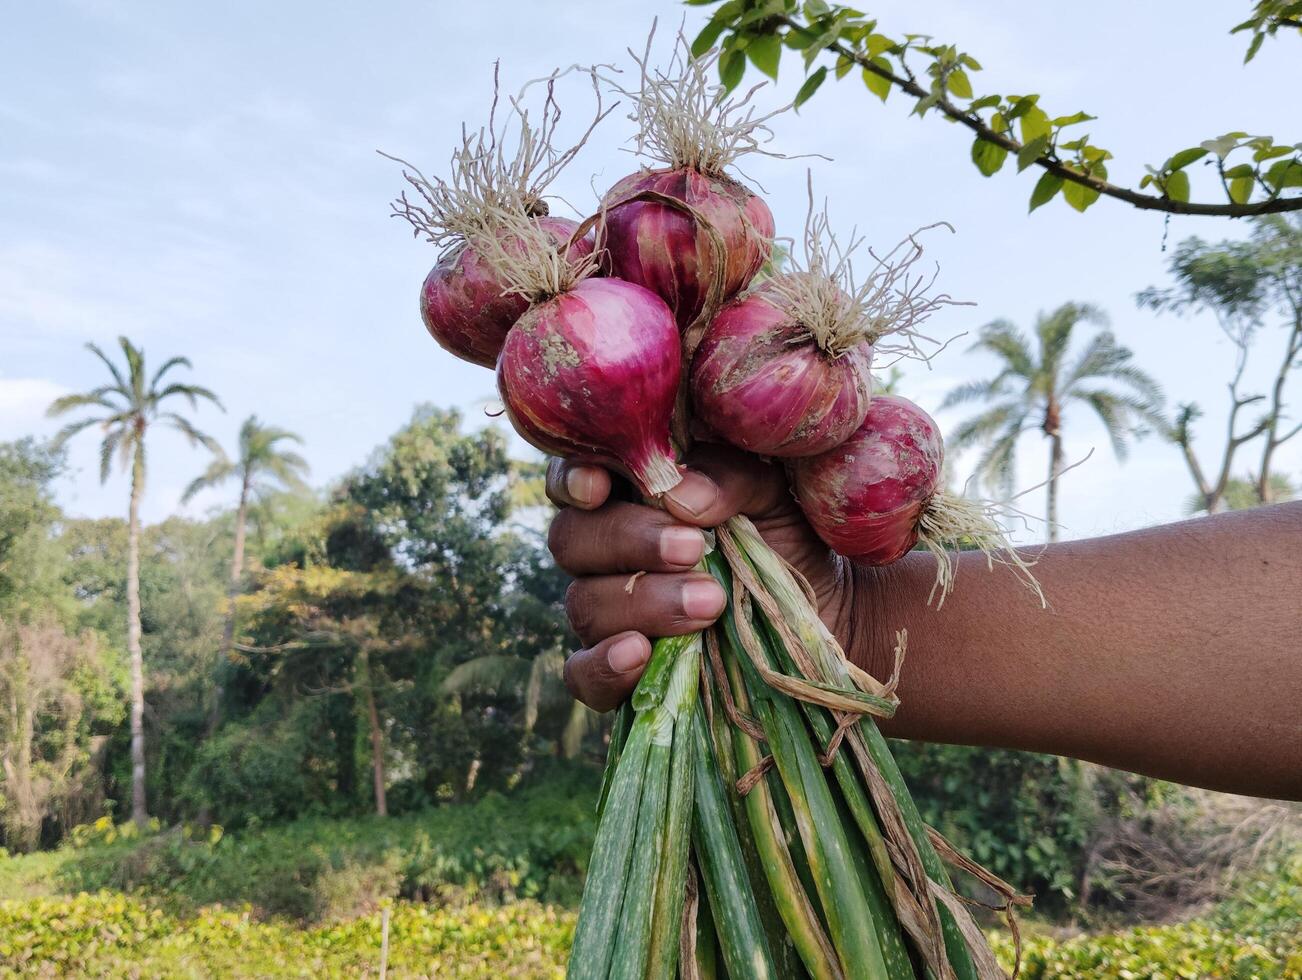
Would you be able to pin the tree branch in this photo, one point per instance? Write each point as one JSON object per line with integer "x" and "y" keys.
{"x": 1146, "y": 202}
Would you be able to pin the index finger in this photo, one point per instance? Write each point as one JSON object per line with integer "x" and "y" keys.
{"x": 581, "y": 485}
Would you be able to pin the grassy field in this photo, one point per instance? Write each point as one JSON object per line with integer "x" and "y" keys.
{"x": 479, "y": 891}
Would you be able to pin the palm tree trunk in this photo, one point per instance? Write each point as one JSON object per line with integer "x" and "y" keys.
{"x": 377, "y": 735}
{"x": 1055, "y": 470}
{"x": 139, "y": 812}
{"x": 233, "y": 590}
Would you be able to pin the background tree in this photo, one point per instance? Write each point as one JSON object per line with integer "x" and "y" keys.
{"x": 1035, "y": 384}
{"x": 1262, "y": 177}
{"x": 1241, "y": 494}
{"x": 128, "y": 406}
{"x": 1241, "y": 283}
{"x": 263, "y": 468}
{"x": 45, "y": 740}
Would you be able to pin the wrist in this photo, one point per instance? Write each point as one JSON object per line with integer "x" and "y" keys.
{"x": 865, "y": 622}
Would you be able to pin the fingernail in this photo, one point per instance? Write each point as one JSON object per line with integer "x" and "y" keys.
{"x": 702, "y": 600}
{"x": 578, "y": 484}
{"x": 681, "y": 545}
{"x": 627, "y": 654}
{"x": 695, "y": 494}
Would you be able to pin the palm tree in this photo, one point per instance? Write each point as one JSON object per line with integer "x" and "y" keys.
{"x": 128, "y": 406}
{"x": 262, "y": 469}
{"x": 1034, "y": 385}
{"x": 538, "y": 681}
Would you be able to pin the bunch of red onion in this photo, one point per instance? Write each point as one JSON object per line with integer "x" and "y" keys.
{"x": 598, "y": 344}
{"x": 657, "y": 311}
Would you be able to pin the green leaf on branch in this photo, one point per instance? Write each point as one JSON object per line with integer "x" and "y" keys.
{"x": 1078, "y": 195}
{"x": 1286, "y": 173}
{"x": 878, "y": 44}
{"x": 810, "y": 87}
{"x": 1073, "y": 119}
{"x": 877, "y": 85}
{"x": 1185, "y": 157}
{"x": 1241, "y": 189}
{"x": 843, "y": 66}
{"x": 732, "y": 66}
{"x": 1045, "y": 189}
{"x": 765, "y": 51}
{"x": 1253, "y": 48}
{"x": 1021, "y": 106}
{"x": 988, "y": 157}
{"x": 1031, "y": 152}
{"x": 709, "y": 34}
{"x": 959, "y": 84}
{"x": 1034, "y": 124}
{"x": 1176, "y": 187}
{"x": 985, "y": 102}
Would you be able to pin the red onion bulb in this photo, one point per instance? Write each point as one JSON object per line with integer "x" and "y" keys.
{"x": 660, "y": 247}
{"x": 593, "y": 372}
{"x": 761, "y": 381}
{"x": 463, "y": 305}
{"x": 866, "y": 497}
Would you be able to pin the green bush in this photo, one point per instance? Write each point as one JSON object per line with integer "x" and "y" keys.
{"x": 114, "y": 935}
{"x": 533, "y": 843}
{"x": 1025, "y": 817}
{"x": 1256, "y": 934}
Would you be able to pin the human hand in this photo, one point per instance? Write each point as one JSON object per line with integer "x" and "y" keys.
{"x": 603, "y": 542}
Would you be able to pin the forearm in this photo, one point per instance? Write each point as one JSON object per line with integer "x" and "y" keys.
{"x": 1174, "y": 651}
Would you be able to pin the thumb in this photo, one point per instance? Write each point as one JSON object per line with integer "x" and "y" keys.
{"x": 604, "y": 675}
{"x": 721, "y": 482}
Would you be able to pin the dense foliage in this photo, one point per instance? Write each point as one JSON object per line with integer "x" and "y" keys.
{"x": 109, "y": 934}
{"x": 1256, "y": 933}
{"x": 1256, "y": 174}
{"x": 356, "y": 610}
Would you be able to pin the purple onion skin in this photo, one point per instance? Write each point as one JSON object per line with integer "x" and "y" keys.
{"x": 866, "y": 497}
{"x": 462, "y": 304}
{"x": 760, "y": 382}
{"x": 593, "y": 373}
{"x": 660, "y": 247}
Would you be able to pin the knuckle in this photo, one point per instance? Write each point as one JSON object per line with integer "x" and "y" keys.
{"x": 560, "y": 537}
{"x": 555, "y": 482}
{"x": 580, "y": 608}
{"x": 567, "y": 676}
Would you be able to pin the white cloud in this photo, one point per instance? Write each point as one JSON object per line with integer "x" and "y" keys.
{"x": 23, "y": 402}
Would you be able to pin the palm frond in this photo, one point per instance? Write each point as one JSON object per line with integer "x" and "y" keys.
{"x": 980, "y": 429}
{"x": 121, "y": 382}
{"x": 191, "y": 392}
{"x": 1105, "y": 359}
{"x": 582, "y": 719}
{"x": 72, "y": 428}
{"x": 972, "y": 391}
{"x": 106, "y": 449}
{"x": 87, "y": 399}
{"x": 187, "y": 429}
{"x": 1113, "y": 417}
{"x": 218, "y": 472}
{"x": 492, "y": 673}
{"x": 1003, "y": 339}
{"x": 547, "y": 670}
{"x": 1122, "y": 415}
{"x": 170, "y": 363}
{"x": 135, "y": 369}
{"x": 997, "y": 467}
{"x": 1055, "y": 331}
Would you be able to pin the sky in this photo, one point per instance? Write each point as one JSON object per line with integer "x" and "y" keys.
{"x": 204, "y": 180}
